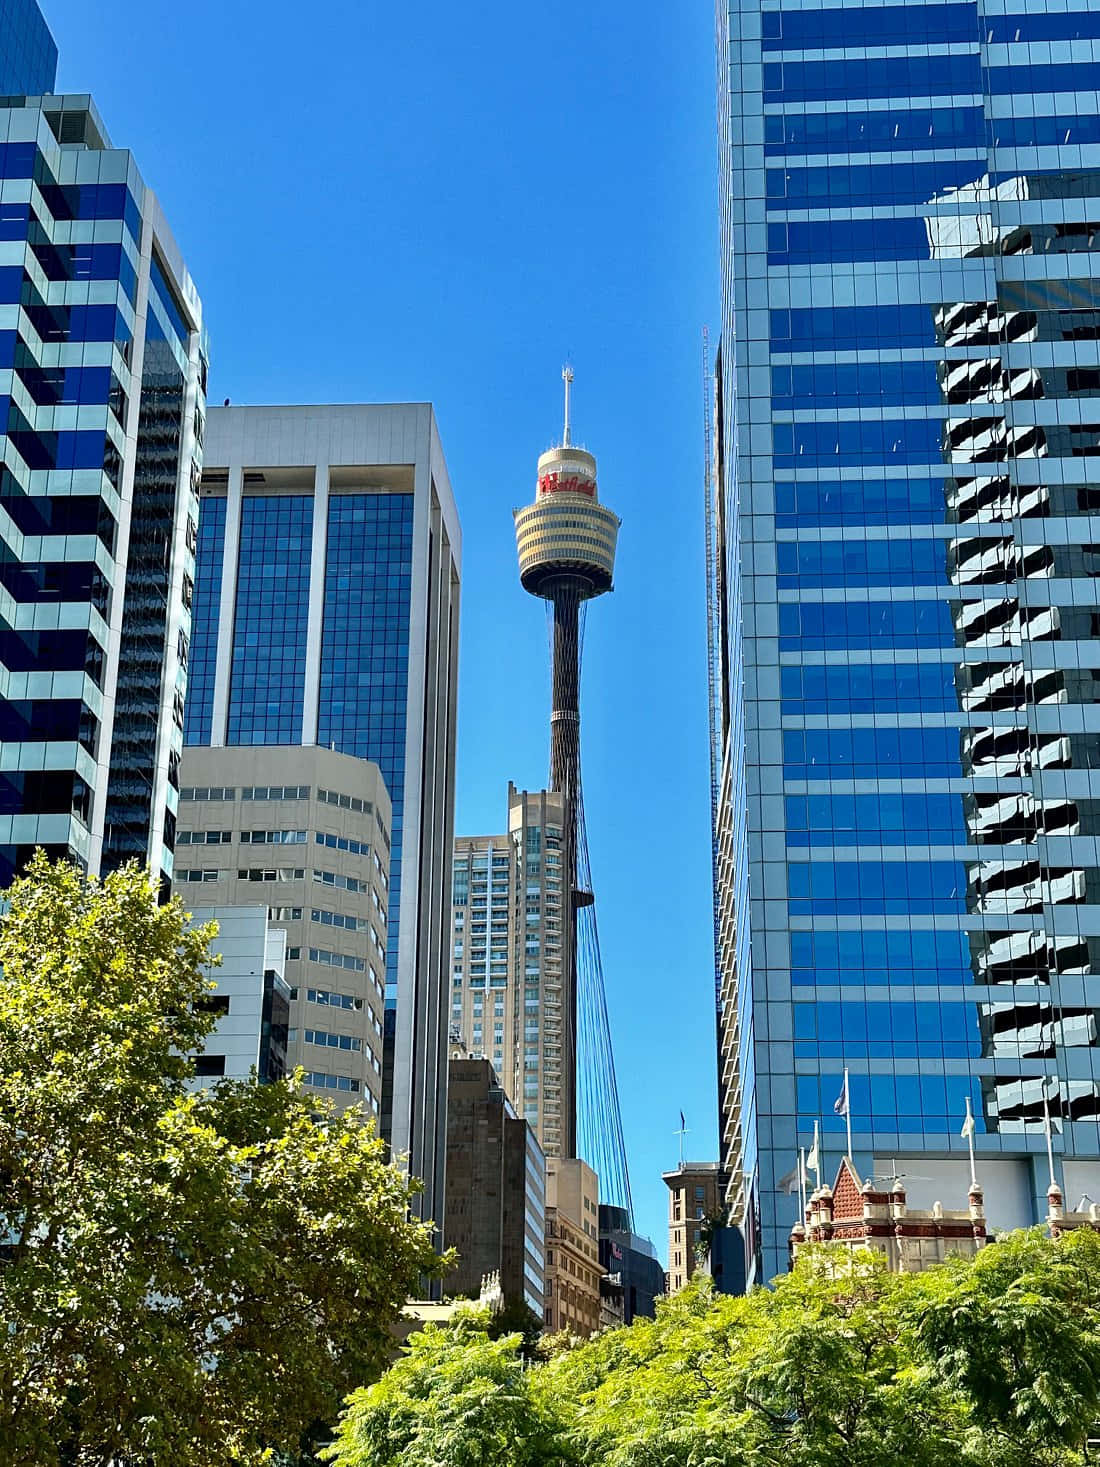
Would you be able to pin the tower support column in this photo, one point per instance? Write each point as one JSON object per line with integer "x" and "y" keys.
{"x": 567, "y": 595}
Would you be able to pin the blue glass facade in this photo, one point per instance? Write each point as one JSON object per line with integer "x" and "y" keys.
{"x": 365, "y": 653}
{"x": 204, "y": 621}
{"x": 28, "y": 56}
{"x": 906, "y": 621}
{"x": 267, "y": 681}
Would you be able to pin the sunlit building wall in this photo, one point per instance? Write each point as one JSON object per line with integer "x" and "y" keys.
{"x": 907, "y": 515}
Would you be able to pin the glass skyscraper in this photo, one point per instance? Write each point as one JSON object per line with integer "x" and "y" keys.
{"x": 103, "y": 371}
{"x": 906, "y": 618}
{"x": 28, "y": 56}
{"x": 326, "y": 612}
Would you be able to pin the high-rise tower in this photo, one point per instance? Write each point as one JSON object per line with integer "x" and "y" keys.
{"x": 101, "y": 440}
{"x": 326, "y": 613}
{"x": 906, "y": 513}
{"x": 566, "y": 545}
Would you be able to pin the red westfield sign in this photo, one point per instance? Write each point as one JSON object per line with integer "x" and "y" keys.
{"x": 559, "y": 484}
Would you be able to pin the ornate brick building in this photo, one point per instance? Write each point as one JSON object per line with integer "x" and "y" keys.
{"x": 858, "y": 1214}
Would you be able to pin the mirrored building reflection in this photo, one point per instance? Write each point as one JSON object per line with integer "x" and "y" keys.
{"x": 907, "y": 618}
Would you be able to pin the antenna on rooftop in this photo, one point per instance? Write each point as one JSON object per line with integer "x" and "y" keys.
{"x": 567, "y": 378}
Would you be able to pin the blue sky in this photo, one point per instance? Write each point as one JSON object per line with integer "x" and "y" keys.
{"x": 443, "y": 202}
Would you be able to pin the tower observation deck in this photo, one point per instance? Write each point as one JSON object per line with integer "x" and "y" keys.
{"x": 566, "y": 544}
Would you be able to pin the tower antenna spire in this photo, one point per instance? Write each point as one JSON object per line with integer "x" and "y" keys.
{"x": 566, "y": 544}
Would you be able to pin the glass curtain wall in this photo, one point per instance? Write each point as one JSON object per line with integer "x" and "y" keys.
{"x": 909, "y": 456}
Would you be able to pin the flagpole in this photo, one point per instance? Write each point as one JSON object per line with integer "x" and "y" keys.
{"x": 970, "y": 1141}
{"x": 1050, "y": 1136}
{"x": 802, "y": 1183}
{"x": 682, "y": 1132}
{"x": 815, "y": 1156}
{"x": 848, "y": 1115}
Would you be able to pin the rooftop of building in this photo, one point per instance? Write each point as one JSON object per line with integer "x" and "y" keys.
{"x": 690, "y": 1169}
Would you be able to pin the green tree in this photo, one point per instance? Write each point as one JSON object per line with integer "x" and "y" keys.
{"x": 1017, "y": 1333}
{"x": 456, "y": 1398}
{"x": 517, "y": 1319}
{"x": 186, "y": 1279}
{"x": 991, "y": 1363}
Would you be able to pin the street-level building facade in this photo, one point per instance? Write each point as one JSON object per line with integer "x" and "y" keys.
{"x": 630, "y": 1260}
{"x": 304, "y": 832}
{"x": 102, "y": 354}
{"x": 905, "y": 622}
{"x": 327, "y": 606}
{"x": 573, "y": 1270}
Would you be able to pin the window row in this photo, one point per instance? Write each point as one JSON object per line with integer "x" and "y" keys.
{"x": 345, "y": 802}
{"x": 914, "y": 500}
{"x": 910, "y": 887}
{"x": 322, "y": 1081}
{"x": 326, "y": 1040}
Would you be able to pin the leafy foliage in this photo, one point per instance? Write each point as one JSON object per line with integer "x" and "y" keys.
{"x": 456, "y": 1397}
{"x": 994, "y": 1363}
{"x": 186, "y": 1279}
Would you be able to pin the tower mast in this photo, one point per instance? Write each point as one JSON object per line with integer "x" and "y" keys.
{"x": 566, "y": 543}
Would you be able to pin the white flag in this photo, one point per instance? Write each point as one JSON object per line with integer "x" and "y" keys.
{"x": 813, "y": 1161}
{"x": 968, "y": 1124}
{"x": 840, "y": 1105}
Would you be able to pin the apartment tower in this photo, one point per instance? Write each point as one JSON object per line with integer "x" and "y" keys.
{"x": 507, "y": 951}
{"x": 327, "y": 614}
{"x": 905, "y": 513}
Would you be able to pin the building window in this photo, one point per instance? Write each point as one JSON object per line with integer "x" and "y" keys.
{"x": 322, "y": 1081}
{"x": 275, "y": 792}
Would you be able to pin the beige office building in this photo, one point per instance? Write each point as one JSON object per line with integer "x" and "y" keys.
{"x": 573, "y": 1270}
{"x": 695, "y": 1195}
{"x": 305, "y": 832}
{"x": 506, "y": 960}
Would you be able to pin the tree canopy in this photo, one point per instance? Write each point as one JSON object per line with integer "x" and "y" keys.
{"x": 990, "y": 1363}
{"x": 186, "y": 1278}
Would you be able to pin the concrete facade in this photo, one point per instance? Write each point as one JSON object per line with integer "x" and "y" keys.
{"x": 251, "y": 997}
{"x": 304, "y": 832}
{"x": 496, "y": 1189}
